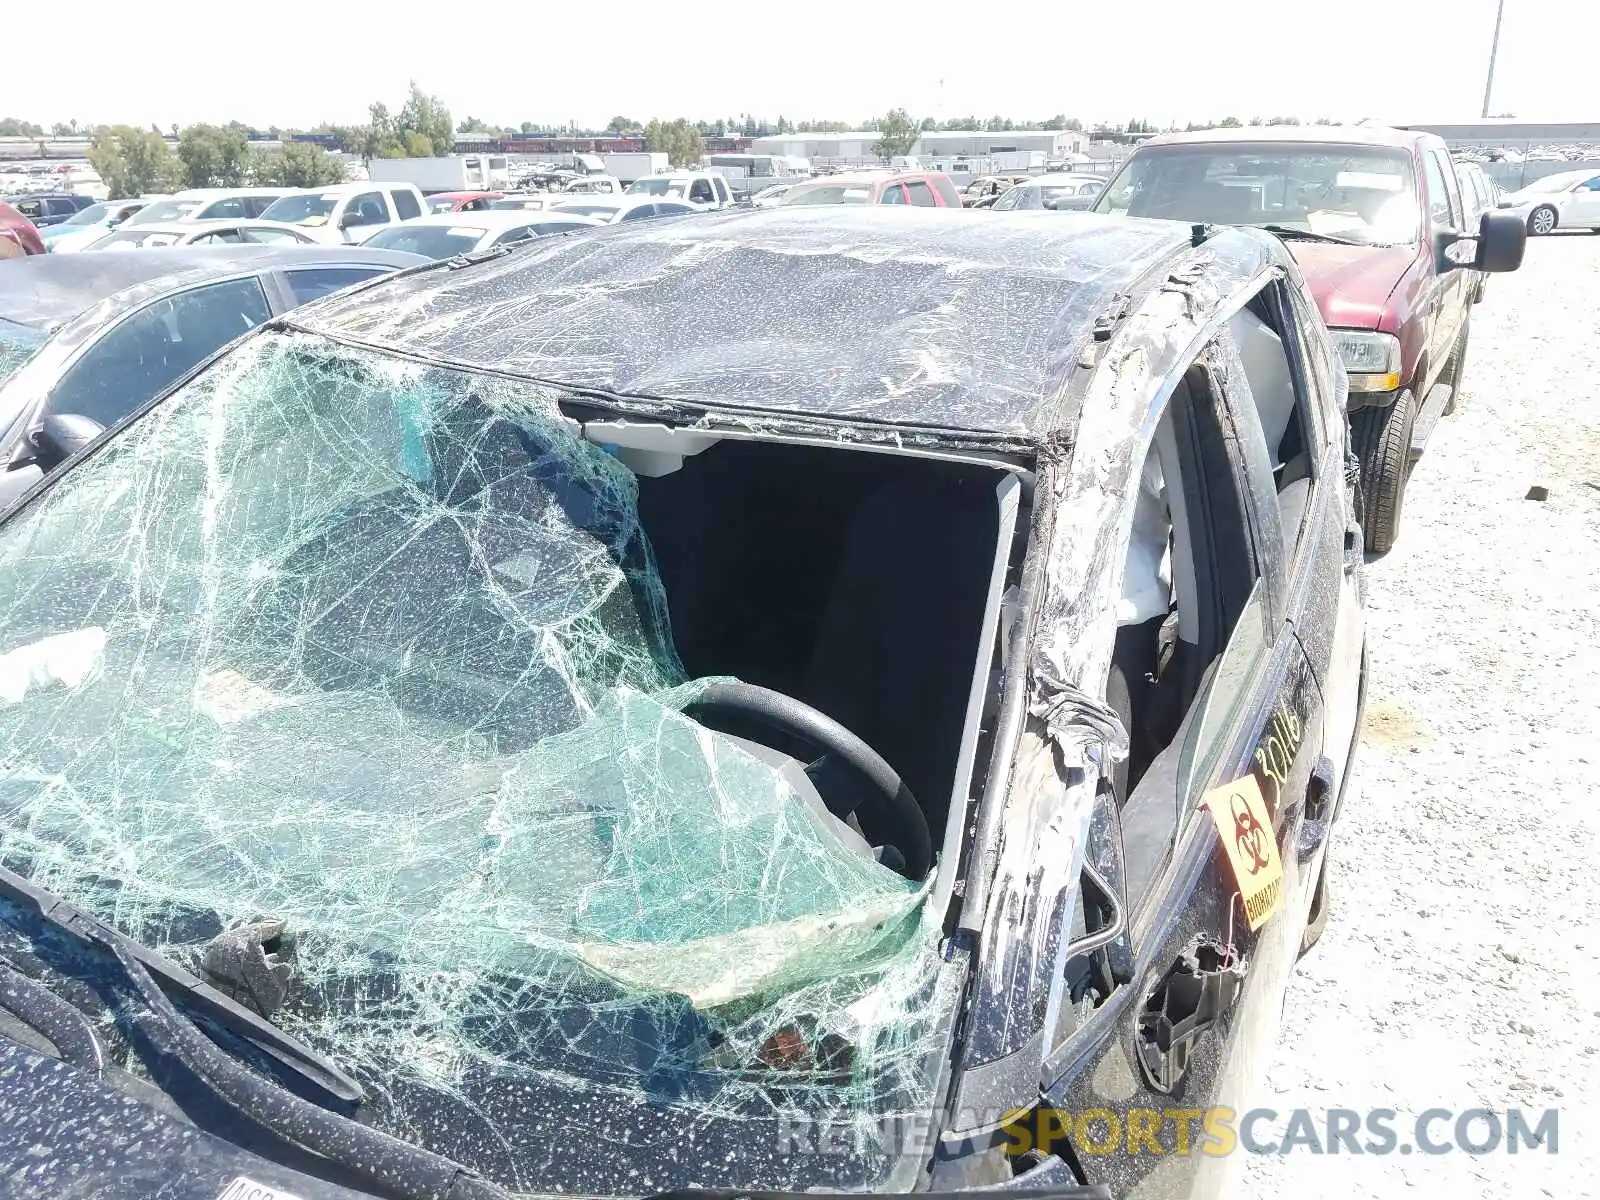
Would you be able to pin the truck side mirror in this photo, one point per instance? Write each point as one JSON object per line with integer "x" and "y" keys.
{"x": 62, "y": 435}
{"x": 1501, "y": 239}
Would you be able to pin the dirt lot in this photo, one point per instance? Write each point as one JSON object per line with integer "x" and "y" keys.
{"x": 1461, "y": 968}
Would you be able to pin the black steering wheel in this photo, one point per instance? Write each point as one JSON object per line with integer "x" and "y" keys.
{"x": 899, "y": 819}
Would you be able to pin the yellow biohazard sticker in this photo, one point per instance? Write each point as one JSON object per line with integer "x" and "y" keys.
{"x": 1244, "y": 823}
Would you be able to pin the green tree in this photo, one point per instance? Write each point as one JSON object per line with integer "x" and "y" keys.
{"x": 12, "y": 127}
{"x": 215, "y": 155}
{"x": 1229, "y": 123}
{"x": 298, "y": 164}
{"x": 529, "y": 128}
{"x": 679, "y": 140}
{"x": 425, "y": 121}
{"x": 132, "y": 161}
{"x": 624, "y": 125}
{"x": 898, "y": 131}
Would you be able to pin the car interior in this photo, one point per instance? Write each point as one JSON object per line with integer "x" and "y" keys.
{"x": 863, "y": 585}
{"x": 1192, "y": 549}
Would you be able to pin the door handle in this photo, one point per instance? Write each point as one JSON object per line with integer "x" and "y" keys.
{"x": 1317, "y": 819}
{"x": 1198, "y": 988}
{"x": 1354, "y": 543}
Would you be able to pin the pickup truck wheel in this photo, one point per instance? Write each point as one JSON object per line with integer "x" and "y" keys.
{"x": 1542, "y": 220}
{"x": 1456, "y": 369}
{"x": 1382, "y": 441}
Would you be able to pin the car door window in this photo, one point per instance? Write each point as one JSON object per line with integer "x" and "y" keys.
{"x": 721, "y": 187}
{"x": 1278, "y": 375}
{"x": 1439, "y": 207}
{"x": 254, "y": 206}
{"x": 1452, "y": 189}
{"x": 232, "y": 208}
{"x": 640, "y": 213}
{"x": 921, "y": 194}
{"x": 367, "y": 209}
{"x": 1192, "y": 622}
{"x": 30, "y": 208}
{"x": 893, "y": 194}
{"x": 313, "y": 283}
{"x": 405, "y": 204}
{"x": 271, "y": 237}
{"x": 154, "y": 347}
{"x": 700, "y": 192}
{"x": 521, "y": 234}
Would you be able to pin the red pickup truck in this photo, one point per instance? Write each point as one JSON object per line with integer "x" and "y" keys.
{"x": 1376, "y": 222}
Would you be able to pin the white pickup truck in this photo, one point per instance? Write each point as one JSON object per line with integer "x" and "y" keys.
{"x": 700, "y": 188}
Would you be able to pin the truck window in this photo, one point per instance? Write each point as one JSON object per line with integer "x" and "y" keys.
{"x": 1439, "y": 208}
{"x": 405, "y": 205}
{"x": 1452, "y": 190}
{"x": 700, "y": 192}
{"x": 921, "y": 194}
{"x": 722, "y": 189}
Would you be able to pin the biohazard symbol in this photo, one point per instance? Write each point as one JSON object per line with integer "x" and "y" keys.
{"x": 1248, "y": 835}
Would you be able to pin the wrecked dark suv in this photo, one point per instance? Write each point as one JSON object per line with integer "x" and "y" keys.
{"x": 745, "y": 703}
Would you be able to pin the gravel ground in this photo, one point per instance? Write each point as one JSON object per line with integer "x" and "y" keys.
{"x": 1459, "y": 969}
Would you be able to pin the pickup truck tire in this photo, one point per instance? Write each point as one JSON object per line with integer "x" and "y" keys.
{"x": 1382, "y": 441}
{"x": 1456, "y": 368}
{"x": 1542, "y": 220}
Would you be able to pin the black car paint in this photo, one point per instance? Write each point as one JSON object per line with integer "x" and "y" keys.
{"x": 67, "y": 1133}
{"x": 1195, "y": 899}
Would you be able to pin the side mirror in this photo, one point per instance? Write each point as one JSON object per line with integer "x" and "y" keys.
{"x": 1502, "y": 238}
{"x": 351, "y": 219}
{"x": 62, "y": 435}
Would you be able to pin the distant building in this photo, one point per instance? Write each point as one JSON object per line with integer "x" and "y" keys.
{"x": 957, "y": 143}
{"x": 1510, "y": 134}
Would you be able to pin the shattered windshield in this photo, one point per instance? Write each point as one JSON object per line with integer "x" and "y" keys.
{"x": 380, "y": 650}
{"x": 1361, "y": 194}
{"x": 18, "y": 343}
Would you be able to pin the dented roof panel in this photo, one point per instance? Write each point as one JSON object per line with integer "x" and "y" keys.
{"x": 929, "y": 318}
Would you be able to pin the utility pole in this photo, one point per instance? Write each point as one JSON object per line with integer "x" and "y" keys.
{"x": 1494, "y": 49}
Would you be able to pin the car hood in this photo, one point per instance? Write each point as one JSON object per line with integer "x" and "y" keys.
{"x": 81, "y": 1137}
{"x": 1352, "y": 284}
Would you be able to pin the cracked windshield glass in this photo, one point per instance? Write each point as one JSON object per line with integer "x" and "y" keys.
{"x": 380, "y": 651}
{"x": 18, "y": 344}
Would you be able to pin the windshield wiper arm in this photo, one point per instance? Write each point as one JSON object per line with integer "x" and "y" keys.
{"x": 333, "y": 1087}
{"x": 396, "y": 1168}
{"x": 1306, "y": 235}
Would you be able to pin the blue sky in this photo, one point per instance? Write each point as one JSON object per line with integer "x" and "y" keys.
{"x": 1160, "y": 59}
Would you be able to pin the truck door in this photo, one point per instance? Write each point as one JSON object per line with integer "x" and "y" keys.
{"x": 1449, "y": 294}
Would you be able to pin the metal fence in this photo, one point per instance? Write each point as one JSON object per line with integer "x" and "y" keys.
{"x": 1512, "y": 176}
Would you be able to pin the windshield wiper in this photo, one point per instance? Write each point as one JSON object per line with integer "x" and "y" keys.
{"x": 394, "y": 1167}
{"x": 1306, "y": 235}
{"x": 332, "y": 1086}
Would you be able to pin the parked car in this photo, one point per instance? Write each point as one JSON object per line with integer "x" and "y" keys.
{"x": 1044, "y": 191}
{"x": 88, "y": 224}
{"x": 348, "y": 212}
{"x": 158, "y": 235}
{"x": 18, "y": 236}
{"x": 447, "y": 235}
{"x": 623, "y": 208}
{"x": 206, "y": 204}
{"x": 1569, "y": 200}
{"x": 767, "y": 197}
{"x": 529, "y": 201}
{"x": 469, "y": 681}
{"x": 1375, "y": 219}
{"x": 49, "y": 208}
{"x": 928, "y": 189}
{"x": 706, "y": 189}
{"x": 86, "y": 339}
{"x": 593, "y": 185}
{"x": 448, "y": 202}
